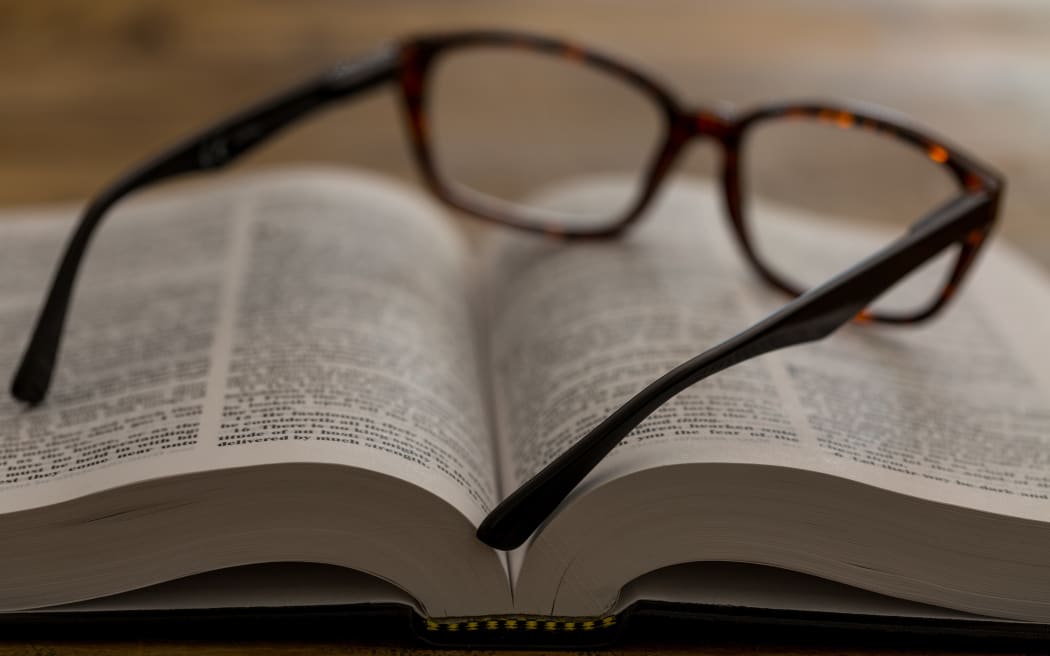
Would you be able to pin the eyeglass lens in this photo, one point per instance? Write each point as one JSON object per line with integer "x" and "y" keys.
{"x": 501, "y": 121}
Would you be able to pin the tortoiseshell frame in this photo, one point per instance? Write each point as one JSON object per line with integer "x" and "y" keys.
{"x": 418, "y": 57}
{"x": 965, "y": 221}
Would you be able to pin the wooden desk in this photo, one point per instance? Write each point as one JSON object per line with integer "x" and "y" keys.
{"x": 89, "y": 88}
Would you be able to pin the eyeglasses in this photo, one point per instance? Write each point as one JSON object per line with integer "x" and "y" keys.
{"x": 466, "y": 95}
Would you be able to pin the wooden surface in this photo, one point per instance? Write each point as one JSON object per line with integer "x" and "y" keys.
{"x": 89, "y": 88}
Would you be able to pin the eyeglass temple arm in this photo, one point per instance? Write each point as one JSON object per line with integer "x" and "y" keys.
{"x": 211, "y": 149}
{"x": 810, "y": 317}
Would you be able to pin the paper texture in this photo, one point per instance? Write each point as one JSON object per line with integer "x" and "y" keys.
{"x": 300, "y": 318}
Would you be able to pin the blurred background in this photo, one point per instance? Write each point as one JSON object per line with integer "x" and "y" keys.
{"x": 91, "y": 88}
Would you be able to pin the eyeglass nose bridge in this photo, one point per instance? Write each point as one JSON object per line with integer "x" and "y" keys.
{"x": 698, "y": 123}
{"x": 706, "y": 123}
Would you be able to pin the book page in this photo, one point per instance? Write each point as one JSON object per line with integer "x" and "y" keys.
{"x": 306, "y": 317}
{"x": 955, "y": 410}
{"x": 354, "y": 341}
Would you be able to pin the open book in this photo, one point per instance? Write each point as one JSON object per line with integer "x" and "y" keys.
{"x": 316, "y": 367}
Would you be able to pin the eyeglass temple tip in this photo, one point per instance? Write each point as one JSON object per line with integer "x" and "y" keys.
{"x": 31, "y": 382}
